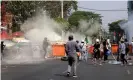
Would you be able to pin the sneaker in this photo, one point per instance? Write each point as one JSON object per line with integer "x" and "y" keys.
{"x": 75, "y": 76}
{"x": 68, "y": 74}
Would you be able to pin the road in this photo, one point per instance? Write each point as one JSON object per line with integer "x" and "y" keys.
{"x": 54, "y": 69}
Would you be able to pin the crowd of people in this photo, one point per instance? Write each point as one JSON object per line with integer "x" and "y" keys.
{"x": 102, "y": 49}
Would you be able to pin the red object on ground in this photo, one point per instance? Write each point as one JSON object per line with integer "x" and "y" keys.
{"x": 4, "y": 35}
{"x": 19, "y": 33}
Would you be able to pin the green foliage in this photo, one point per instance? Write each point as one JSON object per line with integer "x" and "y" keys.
{"x": 114, "y": 26}
{"x": 82, "y": 15}
{"x": 26, "y": 9}
{"x": 29, "y": 8}
{"x": 63, "y": 23}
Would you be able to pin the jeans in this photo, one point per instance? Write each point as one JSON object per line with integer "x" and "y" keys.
{"x": 105, "y": 55}
{"x": 72, "y": 63}
{"x": 123, "y": 59}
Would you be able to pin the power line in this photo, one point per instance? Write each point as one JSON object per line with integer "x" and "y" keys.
{"x": 102, "y": 10}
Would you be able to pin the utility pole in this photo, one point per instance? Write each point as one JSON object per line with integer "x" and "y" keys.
{"x": 62, "y": 16}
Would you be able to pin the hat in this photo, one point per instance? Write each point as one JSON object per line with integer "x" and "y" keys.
{"x": 97, "y": 40}
{"x": 82, "y": 41}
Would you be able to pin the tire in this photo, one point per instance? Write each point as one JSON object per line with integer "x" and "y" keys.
{"x": 64, "y": 58}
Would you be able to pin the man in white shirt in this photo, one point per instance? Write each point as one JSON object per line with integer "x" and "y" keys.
{"x": 84, "y": 51}
{"x": 123, "y": 52}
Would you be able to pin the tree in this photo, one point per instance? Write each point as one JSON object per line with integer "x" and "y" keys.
{"x": 82, "y": 15}
{"x": 115, "y": 28}
{"x": 29, "y": 8}
{"x": 85, "y": 23}
{"x": 26, "y": 9}
{"x": 63, "y": 23}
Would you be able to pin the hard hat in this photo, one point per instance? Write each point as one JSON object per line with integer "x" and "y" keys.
{"x": 97, "y": 40}
{"x": 82, "y": 41}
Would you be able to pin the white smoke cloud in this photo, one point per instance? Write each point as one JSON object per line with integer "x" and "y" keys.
{"x": 41, "y": 26}
{"x": 85, "y": 28}
{"x": 127, "y": 26}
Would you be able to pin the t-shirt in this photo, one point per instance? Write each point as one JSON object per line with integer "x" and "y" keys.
{"x": 71, "y": 48}
{"x": 83, "y": 46}
{"x": 97, "y": 46}
{"x": 122, "y": 48}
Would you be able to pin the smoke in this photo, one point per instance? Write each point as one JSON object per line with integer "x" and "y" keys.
{"x": 85, "y": 28}
{"x": 40, "y": 26}
{"x": 89, "y": 27}
{"x": 35, "y": 29}
{"x": 127, "y": 26}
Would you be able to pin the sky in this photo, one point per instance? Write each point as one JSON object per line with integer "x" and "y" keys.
{"x": 108, "y": 16}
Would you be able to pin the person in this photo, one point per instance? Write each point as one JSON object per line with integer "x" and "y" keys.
{"x": 2, "y": 48}
{"x": 108, "y": 44}
{"x": 45, "y": 46}
{"x": 72, "y": 49}
{"x": 101, "y": 50}
{"x": 96, "y": 51}
{"x": 79, "y": 53}
{"x": 123, "y": 52}
{"x": 105, "y": 49}
{"x": 132, "y": 44}
{"x": 84, "y": 52}
{"x": 118, "y": 54}
{"x": 127, "y": 47}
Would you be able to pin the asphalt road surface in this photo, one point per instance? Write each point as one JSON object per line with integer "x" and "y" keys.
{"x": 55, "y": 70}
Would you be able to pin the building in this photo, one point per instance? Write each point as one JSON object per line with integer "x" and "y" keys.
{"x": 130, "y": 10}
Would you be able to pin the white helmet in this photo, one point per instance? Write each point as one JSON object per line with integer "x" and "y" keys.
{"x": 82, "y": 41}
{"x": 97, "y": 40}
